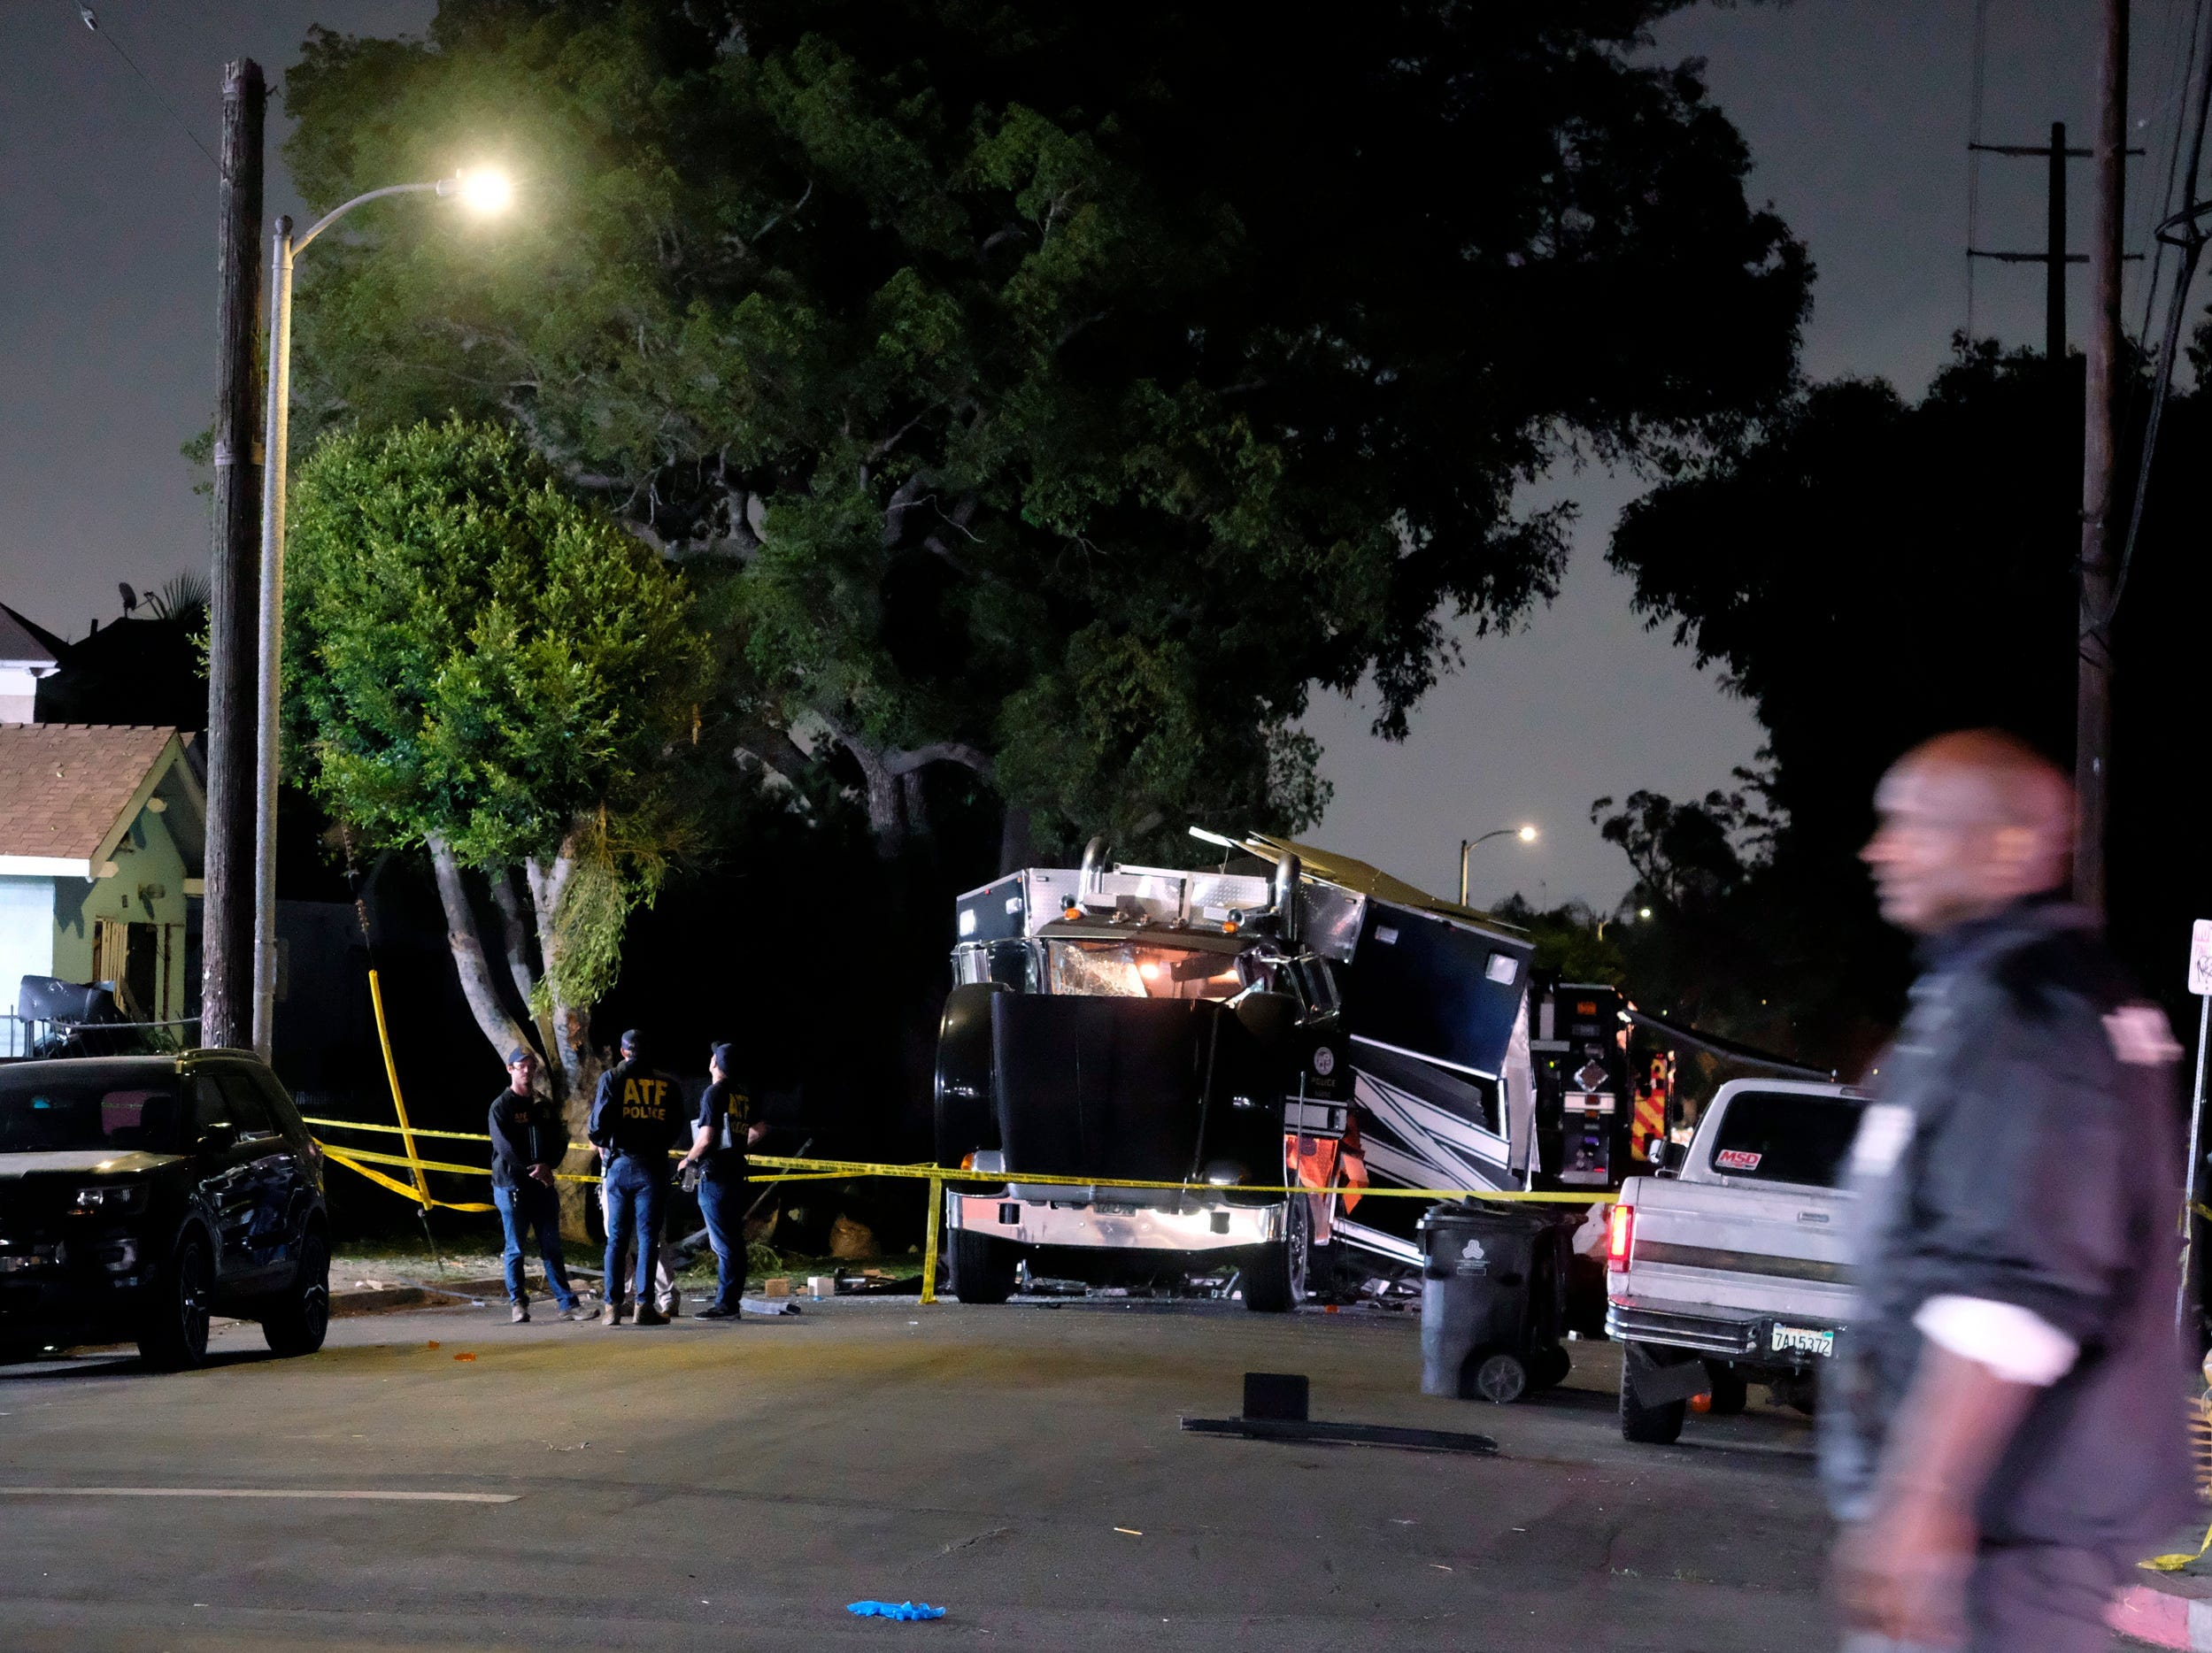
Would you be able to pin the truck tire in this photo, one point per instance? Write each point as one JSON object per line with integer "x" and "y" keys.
{"x": 299, "y": 1320}
{"x": 983, "y": 1268}
{"x": 1274, "y": 1281}
{"x": 172, "y": 1337}
{"x": 1647, "y": 1426}
{"x": 966, "y": 1116}
{"x": 1731, "y": 1393}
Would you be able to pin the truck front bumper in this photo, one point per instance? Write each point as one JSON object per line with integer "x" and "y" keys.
{"x": 1193, "y": 1224}
{"x": 1750, "y": 1339}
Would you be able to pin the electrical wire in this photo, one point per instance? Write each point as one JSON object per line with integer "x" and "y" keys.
{"x": 2184, "y": 231}
{"x": 1973, "y": 153}
{"x": 116, "y": 46}
{"x": 2169, "y": 203}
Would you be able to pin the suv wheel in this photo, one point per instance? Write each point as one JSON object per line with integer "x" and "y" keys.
{"x": 1647, "y": 1426}
{"x": 302, "y": 1315}
{"x": 174, "y": 1335}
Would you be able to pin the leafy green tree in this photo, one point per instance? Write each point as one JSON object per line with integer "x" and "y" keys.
{"x": 1871, "y": 572}
{"x": 1050, "y": 395}
{"x": 480, "y": 665}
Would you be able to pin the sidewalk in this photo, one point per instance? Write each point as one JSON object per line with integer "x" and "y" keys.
{"x": 2168, "y": 1610}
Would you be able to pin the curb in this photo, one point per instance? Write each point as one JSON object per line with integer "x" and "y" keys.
{"x": 2162, "y": 1618}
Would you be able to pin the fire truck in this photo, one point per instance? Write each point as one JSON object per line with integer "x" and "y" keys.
{"x": 1303, "y": 1022}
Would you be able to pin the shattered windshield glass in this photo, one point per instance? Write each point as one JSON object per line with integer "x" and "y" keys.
{"x": 1127, "y": 969}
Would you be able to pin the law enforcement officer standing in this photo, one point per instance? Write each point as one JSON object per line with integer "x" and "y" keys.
{"x": 635, "y": 1120}
{"x": 720, "y": 1135}
{"x": 526, "y": 1142}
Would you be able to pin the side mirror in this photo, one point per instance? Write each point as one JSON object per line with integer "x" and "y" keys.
{"x": 1658, "y": 1153}
{"x": 218, "y": 1139}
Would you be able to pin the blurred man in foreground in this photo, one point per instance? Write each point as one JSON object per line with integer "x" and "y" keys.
{"x": 2003, "y": 1431}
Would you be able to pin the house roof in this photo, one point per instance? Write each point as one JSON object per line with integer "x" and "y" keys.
{"x": 69, "y": 792}
{"x": 22, "y": 644}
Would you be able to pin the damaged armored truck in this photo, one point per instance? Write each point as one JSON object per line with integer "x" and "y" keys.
{"x": 1317, "y": 1027}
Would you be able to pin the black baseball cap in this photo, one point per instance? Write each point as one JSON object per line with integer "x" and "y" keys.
{"x": 633, "y": 1041}
{"x": 726, "y": 1054}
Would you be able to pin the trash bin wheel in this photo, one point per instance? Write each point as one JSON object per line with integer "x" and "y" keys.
{"x": 1647, "y": 1426}
{"x": 1548, "y": 1366}
{"x": 1500, "y": 1380}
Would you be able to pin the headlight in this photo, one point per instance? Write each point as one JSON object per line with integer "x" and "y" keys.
{"x": 109, "y": 1199}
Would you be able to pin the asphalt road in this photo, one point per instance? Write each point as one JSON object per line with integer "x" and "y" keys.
{"x": 709, "y": 1486}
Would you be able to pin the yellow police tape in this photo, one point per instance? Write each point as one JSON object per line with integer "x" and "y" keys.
{"x": 787, "y": 1170}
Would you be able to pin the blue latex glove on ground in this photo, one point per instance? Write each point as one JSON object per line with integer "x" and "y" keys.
{"x": 895, "y": 1610}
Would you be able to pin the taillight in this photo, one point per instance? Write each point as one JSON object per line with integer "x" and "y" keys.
{"x": 1620, "y": 1236}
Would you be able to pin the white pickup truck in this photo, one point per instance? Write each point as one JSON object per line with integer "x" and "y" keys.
{"x": 1731, "y": 1266}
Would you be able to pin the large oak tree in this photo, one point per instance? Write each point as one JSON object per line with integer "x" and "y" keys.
{"x": 1051, "y": 394}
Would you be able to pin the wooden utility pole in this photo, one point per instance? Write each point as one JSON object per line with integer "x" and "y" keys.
{"x": 226, "y": 912}
{"x": 2054, "y": 254}
{"x": 2092, "y": 701}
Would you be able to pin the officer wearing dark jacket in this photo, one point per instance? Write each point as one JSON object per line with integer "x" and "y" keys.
{"x": 2003, "y": 1431}
{"x": 723, "y": 1129}
{"x": 636, "y": 1116}
{"x": 527, "y": 1143}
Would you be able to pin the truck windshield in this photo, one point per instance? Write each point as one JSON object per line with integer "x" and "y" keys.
{"x": 1127, "y": 969}
{"x": 1786, "y": 1136}
{"x": 47, "y": 1115}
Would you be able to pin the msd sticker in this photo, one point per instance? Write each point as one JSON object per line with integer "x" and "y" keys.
{"x": 1736, "y": 1159}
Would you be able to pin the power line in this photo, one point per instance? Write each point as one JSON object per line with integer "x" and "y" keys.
{"x": 1974, "y": 150}
{"x": 115, "y": 45}
{"x": 2184, "y": 231}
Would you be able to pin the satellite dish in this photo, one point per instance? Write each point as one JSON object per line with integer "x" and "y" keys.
{"x": 130, "y": 597}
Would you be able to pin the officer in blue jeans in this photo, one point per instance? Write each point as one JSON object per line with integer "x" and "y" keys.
{"x": 524, "y": 1134}
{"x": 720, "y": 1135}
{"x": 637, "y": 1118}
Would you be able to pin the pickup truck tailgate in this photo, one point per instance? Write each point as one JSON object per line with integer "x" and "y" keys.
{"x": 1734, "y": 1252}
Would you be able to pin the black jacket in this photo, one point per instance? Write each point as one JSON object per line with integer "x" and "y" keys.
{"x": 2027, "y": 1149}
{"x": 638, "y": 1111}
{"x": 523, "y": 1133}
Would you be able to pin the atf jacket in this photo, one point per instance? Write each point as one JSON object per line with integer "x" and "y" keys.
{"x": 2026, "y": 1150}
{"x": 637, "y": 1110}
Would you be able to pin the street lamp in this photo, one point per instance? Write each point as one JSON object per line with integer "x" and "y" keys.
{"x": 483, "y": 190}
{"x": 1526, "y": 834}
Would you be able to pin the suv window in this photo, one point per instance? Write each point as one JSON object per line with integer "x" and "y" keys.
{"x": 282, "y": 1112}
{"x": 1786, "y": 1136}
{"x": 249, "y": 1109}
{"x": 220, "y": 1098}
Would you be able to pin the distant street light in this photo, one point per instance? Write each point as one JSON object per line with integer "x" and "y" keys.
{"x": 1526, "y": 834}
{"x": 482, "y": 190}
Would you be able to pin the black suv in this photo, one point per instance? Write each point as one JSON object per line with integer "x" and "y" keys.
{"x": 140, "y": 1195}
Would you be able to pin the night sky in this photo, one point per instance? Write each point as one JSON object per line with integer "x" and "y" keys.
{"x": 1856, "y": 116}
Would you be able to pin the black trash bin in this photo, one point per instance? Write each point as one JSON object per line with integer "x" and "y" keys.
{"x": 1493, "y": 1300}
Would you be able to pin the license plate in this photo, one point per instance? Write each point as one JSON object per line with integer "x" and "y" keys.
{"x": 1800, "y": 1339}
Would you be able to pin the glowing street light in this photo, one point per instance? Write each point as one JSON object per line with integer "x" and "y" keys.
{"x": 485, "y": 191}
{"x": 1526, "y": 834}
